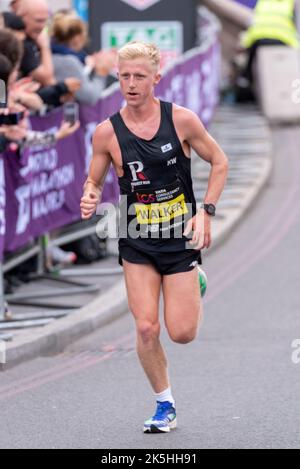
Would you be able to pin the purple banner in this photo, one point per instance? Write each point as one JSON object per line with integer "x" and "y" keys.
{"x": 43, "y": 186}
{"x": 194, "y": 83}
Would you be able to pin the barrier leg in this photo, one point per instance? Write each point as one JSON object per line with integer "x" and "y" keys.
{"x": 42, "y": 256}
{"x": 72, "y": 287}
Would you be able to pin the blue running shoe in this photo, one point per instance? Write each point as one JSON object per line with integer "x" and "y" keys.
{"x": 163, "y": 421}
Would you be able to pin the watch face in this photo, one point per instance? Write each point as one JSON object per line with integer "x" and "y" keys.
{"x": 211, "y": 209}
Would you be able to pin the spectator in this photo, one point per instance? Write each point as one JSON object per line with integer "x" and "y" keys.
{"x": 273, "y": 24}
{"x": 14, "y": 5}
{"x": 69, "y": 37}
{"x": 37, "y": 59}
{"x": 61, "y": 92}
{"x": 12, "y": 49}
{"x": 6, "y": 69}
{"x": 15, "y": 23}
{"x": 25, "y": 91}
{"x": 19, "y": 134}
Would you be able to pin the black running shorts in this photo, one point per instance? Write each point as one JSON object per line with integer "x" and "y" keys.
{"x": 166, "y": 263}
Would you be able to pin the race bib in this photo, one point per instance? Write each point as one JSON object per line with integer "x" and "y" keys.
{"x": 160, "y": 206}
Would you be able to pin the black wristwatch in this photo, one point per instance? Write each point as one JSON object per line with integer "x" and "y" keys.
{"x": 209, "y": 208}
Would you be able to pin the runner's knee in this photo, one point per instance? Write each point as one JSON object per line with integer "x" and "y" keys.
{"x": 147, "y": 330}
{"x": 184, "y": 335}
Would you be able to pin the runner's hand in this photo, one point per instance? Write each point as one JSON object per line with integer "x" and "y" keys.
{"x": 88, "y": 205}
{"x": 200, "y": 226}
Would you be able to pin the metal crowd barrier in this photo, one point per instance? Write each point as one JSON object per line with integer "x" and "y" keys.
{"x": 71, "y": 233}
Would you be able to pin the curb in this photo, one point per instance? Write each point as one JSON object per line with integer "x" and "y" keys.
{"x": 56, "y": 336}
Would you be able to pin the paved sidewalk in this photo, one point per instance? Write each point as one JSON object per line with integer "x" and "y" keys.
{"x": 245, "y": 137}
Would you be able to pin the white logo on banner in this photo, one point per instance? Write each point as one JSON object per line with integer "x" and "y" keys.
{"x": 140, "y": 4}
{"x": 45, "y": 192}
{"x": 23, "y": 198}
{"x": 193, "y": 95}
{"x": 175, "y": 92}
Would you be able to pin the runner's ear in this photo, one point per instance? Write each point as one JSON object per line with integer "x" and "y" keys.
{"x": 157, "y": 78}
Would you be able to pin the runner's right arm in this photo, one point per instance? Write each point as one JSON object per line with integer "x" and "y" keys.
{"x": 99, "y": 168}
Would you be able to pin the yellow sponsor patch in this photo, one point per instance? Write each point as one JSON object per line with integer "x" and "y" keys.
{"x": 161, "y": 212}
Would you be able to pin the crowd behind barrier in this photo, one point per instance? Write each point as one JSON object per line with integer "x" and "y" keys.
{"x": 40, "y": 189}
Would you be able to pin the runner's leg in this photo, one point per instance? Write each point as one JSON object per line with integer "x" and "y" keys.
{"x": 143, "y": 285}
{"x": 183, "y": 305}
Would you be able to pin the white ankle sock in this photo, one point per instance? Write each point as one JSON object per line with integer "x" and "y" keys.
{"x": 166, "y": 395}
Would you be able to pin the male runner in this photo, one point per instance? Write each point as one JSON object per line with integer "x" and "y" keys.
{"x": 149, "y": 144}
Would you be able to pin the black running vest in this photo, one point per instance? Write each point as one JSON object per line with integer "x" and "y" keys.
{"x": 156, "y": 189}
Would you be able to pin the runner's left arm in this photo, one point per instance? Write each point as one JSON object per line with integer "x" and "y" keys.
{"x": 193, "y": 133}
{"x": 208, "y": 149}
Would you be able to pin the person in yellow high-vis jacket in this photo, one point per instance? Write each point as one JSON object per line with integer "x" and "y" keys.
{"x": 273, "y": 19}
{"x": 273, "y": 24}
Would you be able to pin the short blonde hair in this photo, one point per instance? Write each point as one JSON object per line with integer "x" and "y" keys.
{"x": 139, "y": 49}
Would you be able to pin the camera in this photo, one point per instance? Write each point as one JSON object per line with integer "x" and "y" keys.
{"x": 71, "y": 112}
{"x": 11, "y": 119}
{"x": 3, "y": 95}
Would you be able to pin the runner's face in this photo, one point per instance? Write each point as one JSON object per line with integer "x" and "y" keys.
{"x": 137, "y": 80}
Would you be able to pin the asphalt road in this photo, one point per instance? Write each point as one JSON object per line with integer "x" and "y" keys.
{"x": 235, "y": 386}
